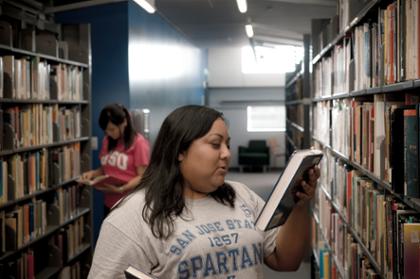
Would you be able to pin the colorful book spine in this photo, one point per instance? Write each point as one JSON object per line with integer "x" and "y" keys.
{"x": 411, "y": 251}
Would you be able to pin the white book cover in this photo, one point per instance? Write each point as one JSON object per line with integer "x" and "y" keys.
{"x": 133, "y": 273}
{"x": 283, "y": 197}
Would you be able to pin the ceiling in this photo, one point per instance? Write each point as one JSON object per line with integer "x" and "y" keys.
{"x": 211, "y": 23}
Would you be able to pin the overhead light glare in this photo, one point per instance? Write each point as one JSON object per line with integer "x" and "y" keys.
{"x": 146, "y": 5}
{"x": 242, "y": 6}
{"x": 249, "y": 31}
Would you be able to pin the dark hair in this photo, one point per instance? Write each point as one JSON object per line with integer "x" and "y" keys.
{"x": 116, "y": 114}
{"x": 163, "y": 179}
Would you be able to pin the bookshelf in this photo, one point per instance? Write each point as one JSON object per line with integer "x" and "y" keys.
{"x": 298, "y": 104}
{"x": 45, "y": 216}
{"x": 365, "y": 116}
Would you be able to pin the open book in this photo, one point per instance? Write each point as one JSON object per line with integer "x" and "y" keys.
{"x": 283, "y": 197}
{"x": 132, "y": 273}
{"x": 103, "y": 179}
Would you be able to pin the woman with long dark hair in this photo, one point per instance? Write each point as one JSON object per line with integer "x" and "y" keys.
{"x": 124, "y": 154}
{"x": 185, "y": 221}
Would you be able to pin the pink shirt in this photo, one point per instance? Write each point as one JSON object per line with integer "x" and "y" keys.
{"x": 123, "y": 163}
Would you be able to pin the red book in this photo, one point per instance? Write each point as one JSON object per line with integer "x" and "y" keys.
{"x": 31, "y": 265}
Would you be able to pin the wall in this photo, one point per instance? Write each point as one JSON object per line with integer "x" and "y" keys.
{"x": 109, "y": 56}
{"x": 109, "y": 79}
{"x": 231, "y": 91}
{"x": 233, "y": 102}
{"x": 166, "y": 71}
{"x": 116, "y": 28}
{"x": 224, "y": 67}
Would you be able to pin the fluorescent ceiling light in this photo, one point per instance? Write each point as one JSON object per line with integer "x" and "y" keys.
{"x": 249, "y": 31}
{"x": 242, "y": 6}
{"x": 145, "y": 4}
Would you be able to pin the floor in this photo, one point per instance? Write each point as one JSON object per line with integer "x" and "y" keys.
{"x": 262, "y": 184}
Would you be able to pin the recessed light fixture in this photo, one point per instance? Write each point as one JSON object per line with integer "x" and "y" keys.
{"x": 242, "y": 6}
{"x": 148, "y": 5}
{"x": 249, "y": 31}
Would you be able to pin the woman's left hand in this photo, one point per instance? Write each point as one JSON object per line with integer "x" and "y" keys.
{"x": 308, "y": 186}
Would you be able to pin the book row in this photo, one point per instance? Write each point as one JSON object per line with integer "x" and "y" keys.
{"x": 38, "y": 124}
{"x": 37, "y": 33}
{"x": 45, "y": 216}
{"x": 384, "y": 226}
{"x": 28, "y": 173}
{"x": 324, "y": 31}
{"x": 30, "y": 221}
{"x": 380, "y": 134}
{"x": 30, "y": 78}
{"x": 63, "y": 246}
{"x": 294, "y": 138}
{"x": 357, "y": 265}
{"x": 295, "y": 90}
{"x": 76, "y": 270}
{"x": 295, "y": 113}
{"x": 377, "y": 52}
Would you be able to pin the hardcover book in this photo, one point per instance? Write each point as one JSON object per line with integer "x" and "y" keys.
{"x": 411, "y": 159}
{"x": 133, "y": 273}
{"x": 283, "y": 197}
{"x": 411, "y": 248}
{"x": 405, "y": 143}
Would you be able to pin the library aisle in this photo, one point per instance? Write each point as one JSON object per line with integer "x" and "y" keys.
{"x": 354, "y": 95}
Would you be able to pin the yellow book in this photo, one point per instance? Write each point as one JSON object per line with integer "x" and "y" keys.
{"x": 326, "y": 266}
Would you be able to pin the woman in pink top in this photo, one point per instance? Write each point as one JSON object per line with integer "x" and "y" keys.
{"x": 124, "y": 154}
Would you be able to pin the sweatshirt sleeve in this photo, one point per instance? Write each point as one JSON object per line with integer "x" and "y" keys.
{"x": 115, "y": 251}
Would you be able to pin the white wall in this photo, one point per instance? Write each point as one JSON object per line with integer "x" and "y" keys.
{"x": 224, "y": 70}
{"x": 233, "y": 102}
{"x": 230, "y": 91}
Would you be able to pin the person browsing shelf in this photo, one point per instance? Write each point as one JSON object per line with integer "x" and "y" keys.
{"x": 185, "y": 220}
{"x": 124, "y": 154}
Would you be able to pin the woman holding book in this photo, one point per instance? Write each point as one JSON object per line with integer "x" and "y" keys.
{"x": 185, "y": 221}
{"x": 124, "y": 155}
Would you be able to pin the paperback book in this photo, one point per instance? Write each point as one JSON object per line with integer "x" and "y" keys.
{"x": 133, "y": 273}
